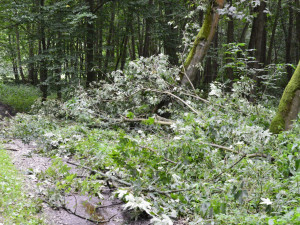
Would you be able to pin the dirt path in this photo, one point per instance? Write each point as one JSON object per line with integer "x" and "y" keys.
{"x": 26, "y": 160}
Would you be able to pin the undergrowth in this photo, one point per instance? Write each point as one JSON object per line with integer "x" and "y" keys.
{"x": 16, "y": 207}
{"x": 20, "y": 97}
{"x": 213, "y": 161}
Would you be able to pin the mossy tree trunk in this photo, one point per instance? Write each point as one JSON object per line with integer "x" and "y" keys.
{"x": 289, "y": 105}
{"x": 202, "y": 42}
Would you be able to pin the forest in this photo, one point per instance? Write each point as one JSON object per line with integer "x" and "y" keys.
{"x": 147, "y": 112}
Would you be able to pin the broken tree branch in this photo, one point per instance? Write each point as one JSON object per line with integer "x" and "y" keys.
{"x": 144, "y": 120}
{"x": 101, "y": 174}
{"x": 152, "y": 150}
{"x": 176, "y": 97}
{"x": 252, "y": 155}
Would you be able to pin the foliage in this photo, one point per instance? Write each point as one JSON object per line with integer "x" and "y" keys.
{"x": 20, "y": 97}
{"x": 16, "y": 206}
{"x": 175, "y": 172}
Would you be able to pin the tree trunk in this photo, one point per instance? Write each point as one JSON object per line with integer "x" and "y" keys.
{"x": 289, "y": 105}
{"x": 230, "y": 39}
{"x": 109, "y": 38}
{"x": 269, "y": 58}
{"x": 42, "y": 50}
{"x": 13, "y": 60}
{"x": 32, "y": 75}
{"x": 170, "y": 37}
{"x": 201, "y": 44}
{"x": 297, "y": 30}
{"x": 90, "y": 35}
{"x": 288, "y": 43}
{"x": 19, "y": 54}
{"x": 149, "y": 22}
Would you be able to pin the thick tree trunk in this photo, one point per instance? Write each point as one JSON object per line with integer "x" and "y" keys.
{"x": 289, "y": 105}
{"x": 201, "y": 44}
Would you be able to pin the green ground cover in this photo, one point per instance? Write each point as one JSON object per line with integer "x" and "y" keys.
{"x": 15, "y": 205}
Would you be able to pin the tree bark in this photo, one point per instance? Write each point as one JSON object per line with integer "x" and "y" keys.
{"x": 269, "y": 58}
{"x": 90, "y": 35}
{"x": 42, "y": 51}
{"x": 109, "y": 38}
{"x": 19, "y": 54}
{"x": 13, "y": 60}
{"x": 32, "y": 75}
{"x": 289, "y": 105}
{"x": 230, "y": 39}
{"x": 297, "y": 12}
{"x": 202, "y": 42}
{"x": 288, "y": 43}
{"x": 149, "y": 22}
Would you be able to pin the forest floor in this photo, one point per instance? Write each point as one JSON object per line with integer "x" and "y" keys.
{"x": 78, "y": 210}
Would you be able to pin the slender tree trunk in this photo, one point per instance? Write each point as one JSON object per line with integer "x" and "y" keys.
{"x": 230, "y": 39}
{"x": 170, "y": 37}
{"x": 42, "y": 50}
{"x": 90, "y": 35}
{"x": 13, "y": 60}
{"x": 133, "y": 54}
{"x": 99, "y": 47}
{"x": 32, "y": 75}
{"x": 201, "y": 44}
{"x": 297, "y": 12}
{"x": 58, "y": 65}
{"x": 109, "y": 39}
{"x": 149, "y": 23}
{"x": 269, "y": 58}
{"x": 288, "y": 43}
{"x": 19, "y": 54}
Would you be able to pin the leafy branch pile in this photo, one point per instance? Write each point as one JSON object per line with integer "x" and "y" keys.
{"x": 214, "y": 161}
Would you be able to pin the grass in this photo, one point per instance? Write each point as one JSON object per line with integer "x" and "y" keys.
{"x": 20, "y": 97}
{"x": 15, "y": 206}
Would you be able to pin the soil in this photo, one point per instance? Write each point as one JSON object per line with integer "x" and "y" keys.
{"x": 26, "y": 159}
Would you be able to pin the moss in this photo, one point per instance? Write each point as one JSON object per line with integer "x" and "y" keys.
{"x": 278, "y": 124}
{"x": 202, "y": 35}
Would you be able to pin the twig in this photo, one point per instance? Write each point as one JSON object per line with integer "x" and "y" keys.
{"x": 12, "y": 149}
{"x": 107, "y": 206}
{"x": 174, "y": 96}
{"x": 219, "y": 146}
{"x": 233, "y": 165}
{"x": 168, "y": 192}
{"x": 253, "y": 155}
{"x": 82, "y": 217}
{"x": 102, "y": 174}
{"x": 144, "y": 120}
{"x": 152, "y": 150}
